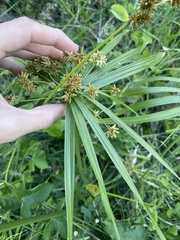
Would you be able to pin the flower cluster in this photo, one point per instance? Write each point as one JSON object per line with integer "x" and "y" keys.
{"x": 91, "y": 90}
{"x": 26, "y": 82}
{"x": 60, "y": 74}
{"x": 148, "y": 5}
{"x": 98, "y": 58}
{"x": 114, "y": 90}
{"x": 146, "y": 9}
{"x": 68, "y": 96}
{"x": 44, "y": 64}
{"x": 140, "y": 18}
{"x": 145, "y": 13}
{"x": 73, "y": 57}
{"x": 175, "y": 3}
{"x": 72, "y": 85}
{"x": 112, "y": 131}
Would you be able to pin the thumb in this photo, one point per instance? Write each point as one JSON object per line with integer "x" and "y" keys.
{"x": 16, "y": 122}
{"x": 43, "y": 116}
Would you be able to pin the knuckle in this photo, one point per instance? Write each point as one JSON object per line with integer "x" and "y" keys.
{"x": 25, "y": 21}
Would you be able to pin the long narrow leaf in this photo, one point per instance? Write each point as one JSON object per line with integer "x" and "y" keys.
{"x": 127, "y": 70}
{"x": 111, "y": 45}
{"x": 87, "y": 142}
{"x": 118, "y": 61}
{"x": 116, "y": 160}
{"x": 150, "y": 90}
{"x": 155, "y": 79}
{"x": 153, "y": 117}
{"x": 69, "y": 168}
{"x": 132, "y": 133}
{"x": 151, "y": 103}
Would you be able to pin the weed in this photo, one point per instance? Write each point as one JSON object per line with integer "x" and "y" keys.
{"x": 121, "y": 133}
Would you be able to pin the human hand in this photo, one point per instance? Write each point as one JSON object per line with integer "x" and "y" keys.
{"x": 25, "y": 38}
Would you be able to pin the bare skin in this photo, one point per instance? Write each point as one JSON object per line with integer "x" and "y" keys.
{"x": 26, "y": 39}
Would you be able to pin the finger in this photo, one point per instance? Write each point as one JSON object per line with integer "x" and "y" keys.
{"x": 43, "y": 116}
{"x": 34, "y": 50}
{"x": 23, "y": 31}
{"x": 24, "y": 54}
{"x": 11, "y": 65}
{"x": 44, "y": 50}
{"x": 16, "y": 122}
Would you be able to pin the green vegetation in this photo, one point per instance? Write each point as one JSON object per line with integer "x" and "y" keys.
{"x": 108, "y": 170}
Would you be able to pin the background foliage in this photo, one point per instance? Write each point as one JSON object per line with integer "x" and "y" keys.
{"x": 32, "y": 168}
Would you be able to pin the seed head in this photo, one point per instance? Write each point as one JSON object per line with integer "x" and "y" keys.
{"x": 68, "y": 96}
{"x": 96, "y": 114}
{"x": 140, "y": 18}
{"x": 175, "y": 3}
{"x": 26, "y": 83}
{"x": 91, "y": 90}
{"x": 147, "y": 5}
{"x": 112, "y": 131}
{"x": 10, "y": 99}
{"x": 73, "y": 83}
{"x": 74, "y": 57}
{"x": 115, "y": 90}
{"x": 98, "y": 58}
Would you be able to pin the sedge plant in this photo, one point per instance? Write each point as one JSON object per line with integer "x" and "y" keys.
{"x": 81, "y": 80}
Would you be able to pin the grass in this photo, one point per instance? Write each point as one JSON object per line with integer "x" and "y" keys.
{"x": 128, "y": 187}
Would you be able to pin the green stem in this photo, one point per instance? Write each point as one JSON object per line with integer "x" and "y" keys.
{"x": 84, "y": 60}
{"x": 22, "y": 222}
{"x": 11, "y": 159}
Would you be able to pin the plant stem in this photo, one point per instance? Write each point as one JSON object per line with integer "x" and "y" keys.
{"x": 22, "y": 222}
{"x": 11, "y": 159}
{"x": 84, "y": 60}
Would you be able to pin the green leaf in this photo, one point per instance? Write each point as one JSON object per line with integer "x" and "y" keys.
{"x": 118, "y": 61}
{"x": 9, "y": 202}
{"x": 111, "y": 45}
{"x": 151, "y": 103}
{"x": 137, "y": 233}
{"x": 69, "y": 168}
{"x": 127, "y": 70}
{"x": 119, "y": 12}
{"x": 114, "y": 155}
{"x": 26, "y": 221}
{"x": 55, "y": 130}
{"x": 60, "y": 225}
{"x": 132, "y": 133}
{"x": 176, "y": 211}
{"x": 36, "y": 195}
{"x": 39, "y": 160}
{"x": 48, "y": 230}
{"x": 153, "y": 117}
{"x": 88, "y": 145}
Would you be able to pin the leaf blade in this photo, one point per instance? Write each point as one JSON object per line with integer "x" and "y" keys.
{"x": 69, "y": 168}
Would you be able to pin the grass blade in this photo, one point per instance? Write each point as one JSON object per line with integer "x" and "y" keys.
{"x": 127, "y": 70}
{"x": 150, "y": 90}
{"x": 155, "y": 79}
{"x": 151, "y": 103}
{"x": 69, "y": 168}
{"x": 153, "y": 117}
{"x": 113, "y": 64}
{"x": 133, "y": 134}
{"x": 116, "y": 160}
{"x": 87, "y": 142}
